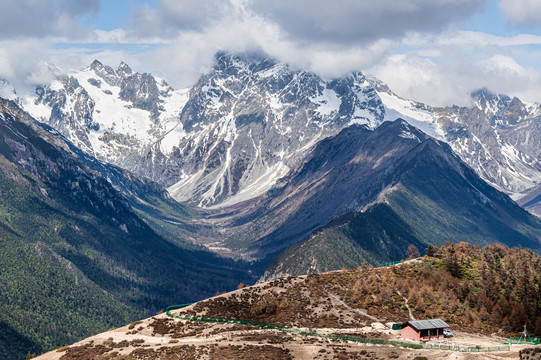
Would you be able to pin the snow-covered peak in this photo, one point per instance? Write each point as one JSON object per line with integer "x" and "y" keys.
{"x": 7, "y": 91}
{"x": 247, "y": 62}
{"x": 414, "y": 113}
{"x": 488, "y": 102}
{"x": 251, "y": 118}
{"x": 124, "y": 69}
{"x": 110, "y": 114}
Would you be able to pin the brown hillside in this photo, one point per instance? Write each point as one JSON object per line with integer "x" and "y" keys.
{"x": 480, "y": 292}
{"x": 493, "y": 289}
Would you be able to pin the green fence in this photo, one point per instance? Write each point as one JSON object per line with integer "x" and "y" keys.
{"x": 523, "y": 341}
{"x": 389, "y": 264}
{"x": 467, "y": 348}
{"x": 288, "y": 329}
{"x": 336, "y": 336}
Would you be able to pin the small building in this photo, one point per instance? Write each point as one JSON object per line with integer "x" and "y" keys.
{"x": 423, "y": 329}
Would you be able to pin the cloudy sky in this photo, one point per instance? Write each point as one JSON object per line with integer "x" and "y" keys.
{"x": 435, "y": 51}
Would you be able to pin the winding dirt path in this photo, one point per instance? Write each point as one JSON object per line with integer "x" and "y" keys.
{"x": 406, "y": 303}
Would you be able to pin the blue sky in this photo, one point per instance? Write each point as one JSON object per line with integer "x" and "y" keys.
{"x": 114, "y": 14}
{"x": 435, "y": 51}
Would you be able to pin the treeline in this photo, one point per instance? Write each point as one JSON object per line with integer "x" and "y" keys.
{"x": 490, "y": 289}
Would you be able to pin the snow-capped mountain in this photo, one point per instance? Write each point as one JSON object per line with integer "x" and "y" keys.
{"x": 250, "y": 119}
{"x": 499, "y": 137}
{"x": 227, "y": 139}
{"x": 109, "y": 114}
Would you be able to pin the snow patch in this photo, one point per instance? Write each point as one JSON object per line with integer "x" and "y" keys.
{"x": 172, "y": 139}
{"x": 7, "y": 91}
{"x": 328, "y": 102}
{"x": 258, "y": 187}
{"x": 396, "y": 107}
{"x": 39, "y": 111}
{"x": 272, "y": 71}
{"x": 408, "y": 135}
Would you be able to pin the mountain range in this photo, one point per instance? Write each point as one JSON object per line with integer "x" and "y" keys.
{"x": 244, "y": 146}
{"x": 150, "y": 196}
{"x": 266, "y": 116}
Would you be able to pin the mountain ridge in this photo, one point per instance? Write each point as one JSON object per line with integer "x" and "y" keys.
{"x": 428, "y": 193}
{"x": 432, "y": 193}
{"x": 246, "y": 103}
{"x": 76, "y": 258}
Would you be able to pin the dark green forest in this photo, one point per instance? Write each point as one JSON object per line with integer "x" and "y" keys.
{"x": 75, "y": 258}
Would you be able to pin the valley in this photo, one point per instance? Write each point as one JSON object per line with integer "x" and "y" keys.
{"x": 76, "y": 258}
{"x": 120, "y": 189}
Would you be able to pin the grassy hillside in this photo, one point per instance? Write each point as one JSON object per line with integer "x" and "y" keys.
{"x": 485, "y": 294}
{"x": 375, "y": 236}
{"x": 440, "y": 206}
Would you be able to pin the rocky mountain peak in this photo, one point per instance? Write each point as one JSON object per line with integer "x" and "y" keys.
{"x": 71, "y": 84}
{"x": 124, "y": 69}
{"x": 105, "y": 72}
{"x": 248, "y": 62}
{"x": 96, "y": 64}
{"x": 403, "y": 129}
{"x": 490, "y": 102}
{"x": 252, "y": 117}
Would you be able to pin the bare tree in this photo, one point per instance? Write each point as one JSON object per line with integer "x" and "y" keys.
{"x": 412, "y": 252}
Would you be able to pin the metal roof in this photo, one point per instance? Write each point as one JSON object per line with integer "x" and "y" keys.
{"x": 426, "y": 324}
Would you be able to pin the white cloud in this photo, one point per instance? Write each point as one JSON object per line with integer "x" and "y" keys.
{"x": 43, "y": 18}
{"x": 522, "y": 12}
{"x": 399, "y": 41}
{"x": 330, "y": 38}
{"x": 170, "y": 17}
{"x": 22, "y": 63}
{"x": 362, "y": 21}
{"x": 504, "y": 75}
{"x": 450, "y": 82}
{"x": 121, "y": 36}
{"x": 470, "y": 39}
{"x": 242, "y": 30}
{"x": 419, "y": 78}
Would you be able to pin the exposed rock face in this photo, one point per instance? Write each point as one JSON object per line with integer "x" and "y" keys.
{"x": 250, "y": 119}
{"x": 427, "y": 191}
{"x": 71, "y": 111}
{"x": 113, "y": 115}
{"x": 141, "y": 90}
{"x": 498, "y": 137}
